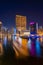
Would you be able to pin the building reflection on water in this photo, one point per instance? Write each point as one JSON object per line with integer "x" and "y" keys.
{"x": 38, "y": 48}
{"x": 30, "y": 47}
{"x": 21, "y": 45}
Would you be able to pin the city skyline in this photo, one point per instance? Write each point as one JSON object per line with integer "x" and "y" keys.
{"x": 32, "y": 10}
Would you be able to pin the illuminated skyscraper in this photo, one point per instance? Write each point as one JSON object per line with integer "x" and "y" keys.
{"x": 33, "y": 27}
{"x": 20, "y": 22}
{"x": 0, "y": 26}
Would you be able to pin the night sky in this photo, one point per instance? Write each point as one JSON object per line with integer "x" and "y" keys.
{"x": 32, "y": 9}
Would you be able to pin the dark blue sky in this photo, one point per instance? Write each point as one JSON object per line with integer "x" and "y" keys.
{"x": 32, "y": 9}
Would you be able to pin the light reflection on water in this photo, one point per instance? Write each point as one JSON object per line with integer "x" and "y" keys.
{"x": 38, "y": 49}
{"x": 13, "y": 38}
{"x": 5, "y": 41}
{"x": 29, "y": 44}
{"x": 33, "y": 46}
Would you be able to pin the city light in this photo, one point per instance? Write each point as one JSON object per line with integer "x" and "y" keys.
{"x": 24, "y": 42}
{"x": 38, "y": 49}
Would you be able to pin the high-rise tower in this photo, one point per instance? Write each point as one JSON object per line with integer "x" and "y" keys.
{"x": 20, "y": 22}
